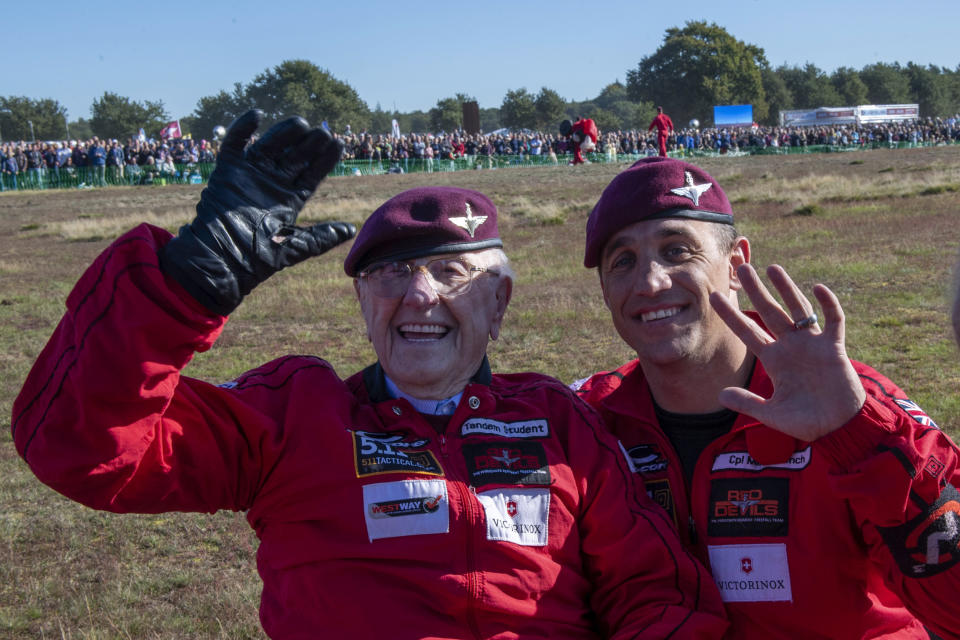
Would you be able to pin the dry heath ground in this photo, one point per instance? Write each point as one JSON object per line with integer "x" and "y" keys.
{"x": 877, "y": 227}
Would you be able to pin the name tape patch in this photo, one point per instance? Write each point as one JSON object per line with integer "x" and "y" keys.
{"x": 406, "y": 508}
{"x": 741, "y": 461}
{"x": 523, "y": 429}
{"x": 751, "y": 572}
{"x": 519, "y": 516}
{"x": 392, "y": 452}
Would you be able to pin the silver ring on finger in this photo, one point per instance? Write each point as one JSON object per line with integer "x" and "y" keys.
{"x": 806, "y": 323}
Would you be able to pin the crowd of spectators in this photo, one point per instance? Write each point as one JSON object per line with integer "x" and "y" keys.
{"x": 94, "y": 162}
{"x": 483, "y": 147}
{"x": 36, "y": 164}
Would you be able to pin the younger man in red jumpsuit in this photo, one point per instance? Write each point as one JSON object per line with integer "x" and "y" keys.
{"x": 424, "y": 496}
{"x": 664, "y": 126}
{"x": 823, "y": 499}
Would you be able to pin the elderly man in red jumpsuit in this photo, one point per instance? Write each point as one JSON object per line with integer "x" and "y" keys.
{"x": 664, "y": 126}
{"x": 824, "y": 500}
{"x": 424, "y": 496}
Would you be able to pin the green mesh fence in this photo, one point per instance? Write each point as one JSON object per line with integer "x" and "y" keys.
{"x": 90, "y": 177}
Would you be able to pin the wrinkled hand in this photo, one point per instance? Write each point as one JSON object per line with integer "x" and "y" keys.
{"x": 816, "y": 389}
{"x": 244, "y": 230}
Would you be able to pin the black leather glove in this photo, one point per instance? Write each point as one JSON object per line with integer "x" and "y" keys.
{"x": 245, "y": 229}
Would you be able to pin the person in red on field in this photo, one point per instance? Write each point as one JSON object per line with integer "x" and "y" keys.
{"x": 422, "y": 497}
{"x": 664, "y": 126}
{"x": 824, "y": 500}
{"x": 583, "y": 134}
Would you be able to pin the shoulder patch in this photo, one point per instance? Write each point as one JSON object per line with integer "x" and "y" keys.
{"x": 929, "y": 543}
{"x": 915, "y": 412}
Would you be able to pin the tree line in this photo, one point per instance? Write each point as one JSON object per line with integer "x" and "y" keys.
{"x": 696, "y": 67}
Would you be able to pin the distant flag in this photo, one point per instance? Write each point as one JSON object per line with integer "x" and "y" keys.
{"x": 325, "y": 126}
{"x": 396, "y": 128}
{"x": 172, "y": 130}
{"x": 142, "y": 136}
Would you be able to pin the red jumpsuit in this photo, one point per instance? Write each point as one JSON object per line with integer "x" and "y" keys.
{"x": 664, "y": 126}
{"x": 854, "y": 536}
{"x": 519, "y": 520}
{"x": 583, "y": 129}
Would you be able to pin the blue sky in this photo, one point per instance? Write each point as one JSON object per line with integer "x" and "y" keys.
{"x": 408, "y": 55}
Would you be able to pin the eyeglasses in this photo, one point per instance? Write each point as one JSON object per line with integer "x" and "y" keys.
{"x": 449, "y": 276}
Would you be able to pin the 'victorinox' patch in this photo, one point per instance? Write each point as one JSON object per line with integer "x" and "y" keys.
{"x": 751, "y": 572}
{"x": 520, "y": 516}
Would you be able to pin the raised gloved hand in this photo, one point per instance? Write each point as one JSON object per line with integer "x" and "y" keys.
{"x": 245, "y": 229}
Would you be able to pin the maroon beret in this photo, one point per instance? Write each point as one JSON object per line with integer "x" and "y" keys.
{"x": 652, "y": 188}
{"x": 424, "y": 222}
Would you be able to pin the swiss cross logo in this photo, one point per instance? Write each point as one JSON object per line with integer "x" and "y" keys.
{"x": 512, "y": 508}
{"x": 746, "y": 565}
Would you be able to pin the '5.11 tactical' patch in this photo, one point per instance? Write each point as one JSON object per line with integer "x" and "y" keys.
{"x": 393, "y": 452}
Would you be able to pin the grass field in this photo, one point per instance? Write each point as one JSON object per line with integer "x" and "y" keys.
{"x": 878, "y": 227}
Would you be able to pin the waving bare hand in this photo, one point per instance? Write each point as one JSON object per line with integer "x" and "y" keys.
{"x": 816, "y": 389}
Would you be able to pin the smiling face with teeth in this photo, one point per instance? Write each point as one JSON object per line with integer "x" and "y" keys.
{"x": 431, "y": 345}
{"x": 657, "y": 276}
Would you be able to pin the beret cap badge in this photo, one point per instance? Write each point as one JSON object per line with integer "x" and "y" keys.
{"x": 469, "y": 222}
{"x": 690, "y": 190}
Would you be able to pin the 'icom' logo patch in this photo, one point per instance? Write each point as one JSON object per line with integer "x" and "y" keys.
{"x": 646, "y": 459}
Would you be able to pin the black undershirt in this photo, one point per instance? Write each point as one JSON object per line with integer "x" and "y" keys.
{"x": 690, "y": 433}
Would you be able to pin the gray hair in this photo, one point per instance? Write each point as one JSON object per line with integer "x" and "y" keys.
{"x": 494, "y": 259}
